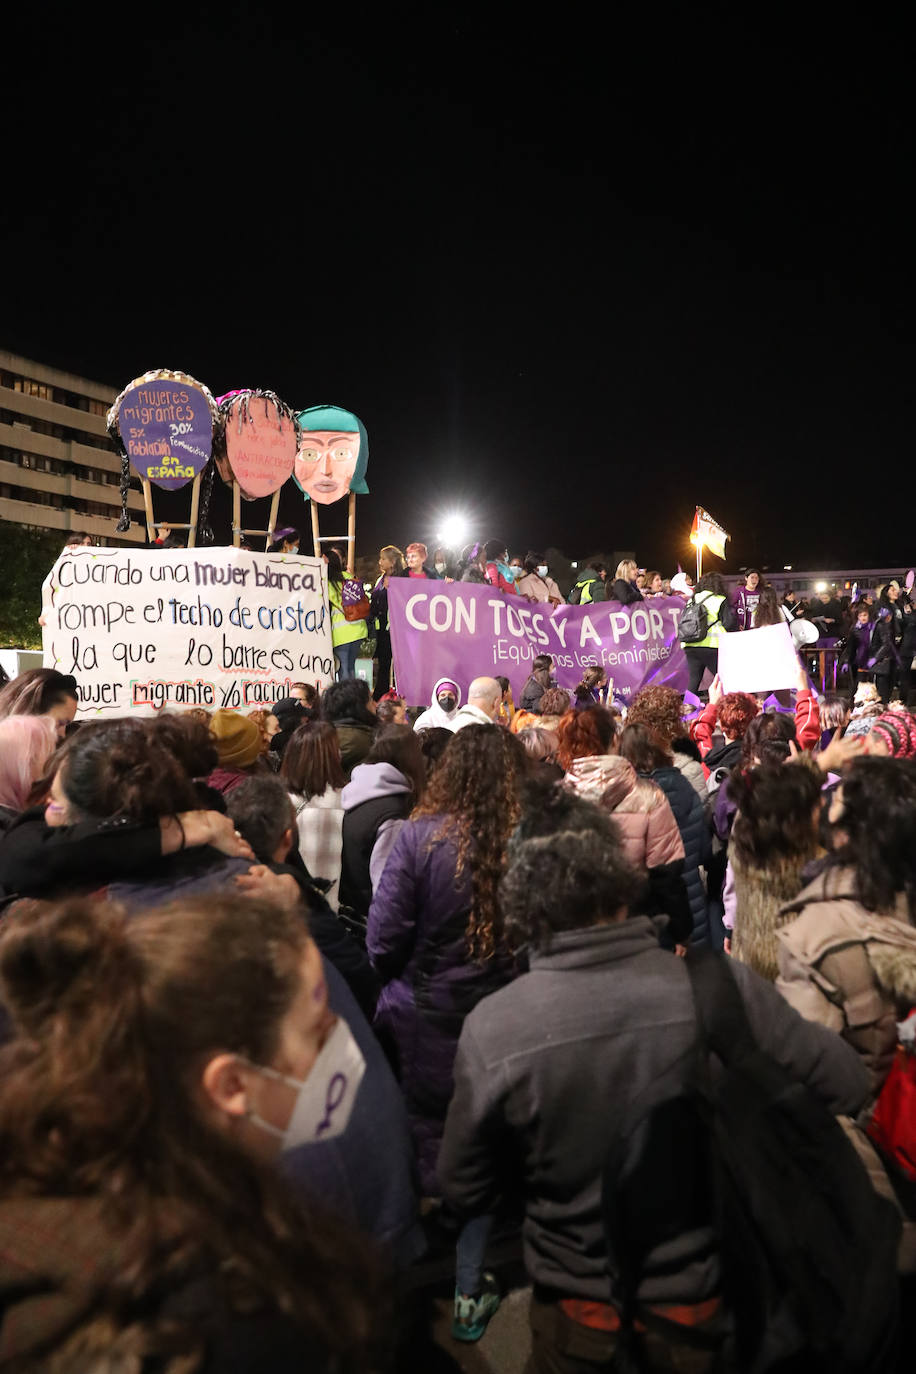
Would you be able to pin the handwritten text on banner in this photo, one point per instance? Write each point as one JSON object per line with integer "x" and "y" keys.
{"x": 145, "y": 629}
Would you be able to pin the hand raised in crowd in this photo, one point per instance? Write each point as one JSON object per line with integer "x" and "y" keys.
{"x": 716, "y": 690}
{"x": 839, "y": 752}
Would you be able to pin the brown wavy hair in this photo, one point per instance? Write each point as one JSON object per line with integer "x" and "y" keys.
{"x": 644, "y": 748}
{"x": 113, "y": 1019}
{"x": 660, "y": 709}
{"x": 585, "y": 733}
{"x": 475, "y": 789}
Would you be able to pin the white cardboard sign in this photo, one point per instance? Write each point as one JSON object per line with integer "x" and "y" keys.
{"x": 761, "y": 660}
{"x": 147, "y": 629}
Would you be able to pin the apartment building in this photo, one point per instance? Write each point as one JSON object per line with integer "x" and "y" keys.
{"x": 58, "y": 468}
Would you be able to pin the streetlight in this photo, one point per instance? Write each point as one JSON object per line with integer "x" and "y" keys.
{"x": 453, "y": 530}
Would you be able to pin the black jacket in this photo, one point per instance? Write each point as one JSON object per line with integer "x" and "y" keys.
{"x": 36, "y": 859}
{"x": 360, "y": 831}
{"x": 627, "y": 593}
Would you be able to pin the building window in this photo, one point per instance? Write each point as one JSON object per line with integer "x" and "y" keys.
{"x": 98, "y": 408}
{"x": 28, "y": 387}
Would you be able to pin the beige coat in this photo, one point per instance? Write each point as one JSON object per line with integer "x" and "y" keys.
{"x": 853, "y": 970}
{"x": 848, "y": 968}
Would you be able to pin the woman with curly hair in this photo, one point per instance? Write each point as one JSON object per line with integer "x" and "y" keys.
{"x": 660, "y": 708}
{"x": 774, "y": 836}
{"x": 435, "y": 938}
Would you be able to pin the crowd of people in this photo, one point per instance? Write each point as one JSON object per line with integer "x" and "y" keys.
{"x": 291, "y": 1000}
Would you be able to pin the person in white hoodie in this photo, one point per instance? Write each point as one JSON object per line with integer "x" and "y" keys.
{"x": 443, "y": 707}
{"x": 484, "y": 696}
{"x": 382, "y": 792}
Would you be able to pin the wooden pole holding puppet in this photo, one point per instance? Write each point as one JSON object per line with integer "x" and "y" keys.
{"x": 255, "y": 454}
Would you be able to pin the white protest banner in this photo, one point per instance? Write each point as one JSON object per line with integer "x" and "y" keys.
{"x": 144, "y": 629}
{"x": 761, "y": 660}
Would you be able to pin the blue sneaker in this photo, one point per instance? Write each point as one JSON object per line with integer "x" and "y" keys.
{"x": 473, "y": 1314}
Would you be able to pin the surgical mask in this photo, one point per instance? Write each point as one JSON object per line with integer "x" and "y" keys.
{"x": 542, "y": 570}
{"x": 447, "y": 703}
{"x": 512, "y": 573}
{"x": 440, "y": 567}
{"x": 325, "y": 1099}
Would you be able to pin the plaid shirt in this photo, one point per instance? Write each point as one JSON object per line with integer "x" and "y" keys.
{"x": 320, "y": 823}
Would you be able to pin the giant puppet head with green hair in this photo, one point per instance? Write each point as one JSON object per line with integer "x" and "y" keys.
{"x": 333, "y": 454}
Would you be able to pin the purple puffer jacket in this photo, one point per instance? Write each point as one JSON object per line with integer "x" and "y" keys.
{"x": 416, "y": 941}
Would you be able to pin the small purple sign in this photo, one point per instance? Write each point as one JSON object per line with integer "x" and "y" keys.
{"x": 166, "y": 427}
{"x": 461, "y": 631}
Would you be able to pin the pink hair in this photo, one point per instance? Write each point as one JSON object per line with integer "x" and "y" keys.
{"x": 26, "y": 745}
{"x": 418, "y": 548}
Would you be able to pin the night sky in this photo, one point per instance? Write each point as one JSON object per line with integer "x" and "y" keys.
{"x": 573, "y": 279}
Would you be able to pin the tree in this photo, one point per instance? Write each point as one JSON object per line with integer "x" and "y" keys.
{"x": 26, "y": 558}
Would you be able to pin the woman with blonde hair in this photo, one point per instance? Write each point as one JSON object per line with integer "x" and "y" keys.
{"x": 391, "y": 564}
{"x": 625, "y": 589}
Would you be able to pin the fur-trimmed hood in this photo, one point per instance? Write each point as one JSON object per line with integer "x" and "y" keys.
{"x": 829, "y": 917}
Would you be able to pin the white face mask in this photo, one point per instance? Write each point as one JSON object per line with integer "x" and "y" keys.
{"x": 542, "y": 570}
{"x": 325, "y": 1099}
{"x": 440, "y": 567}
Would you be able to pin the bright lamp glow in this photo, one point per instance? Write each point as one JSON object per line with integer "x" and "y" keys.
{"x": 453, "y": 531}
{"x": 820, "y": 586}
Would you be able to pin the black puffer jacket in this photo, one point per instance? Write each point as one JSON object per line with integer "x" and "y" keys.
{"x": 691, "y": 822}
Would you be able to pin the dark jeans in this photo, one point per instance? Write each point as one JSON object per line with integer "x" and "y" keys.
{"x": 561, "y": 1346}
{"x": 698, "y": 660}
{"x": 383, "y": 654}
{"x": 347, "y": 655}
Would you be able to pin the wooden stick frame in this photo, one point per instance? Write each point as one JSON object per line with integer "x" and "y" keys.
{"x": 349, "y": 538}
{"x": 238, "y": 531}
{"x": 191, "y": 527}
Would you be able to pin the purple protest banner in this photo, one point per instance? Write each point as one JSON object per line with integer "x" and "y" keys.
{"x": 460, "y": 630}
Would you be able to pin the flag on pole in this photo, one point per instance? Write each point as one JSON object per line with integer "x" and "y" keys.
{"x": 708, "y": 532}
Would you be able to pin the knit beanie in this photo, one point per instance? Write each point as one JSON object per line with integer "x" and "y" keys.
{"x": 238, "y": 739}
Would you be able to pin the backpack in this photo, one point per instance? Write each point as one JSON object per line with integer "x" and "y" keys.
{"x": 575, "y": 595}
{"x": 751, "y": 1159}
{"x": 694, "y": 624}
{"x": 353, "y": 599}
